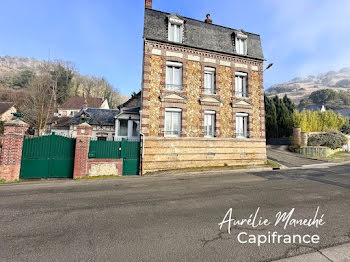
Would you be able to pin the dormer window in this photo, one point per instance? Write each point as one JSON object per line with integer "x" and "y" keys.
{"x": 241, "y": 43}
{"x": 175, "y": 29}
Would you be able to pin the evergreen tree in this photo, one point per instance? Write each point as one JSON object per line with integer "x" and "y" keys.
{"x": 270, "y": 118}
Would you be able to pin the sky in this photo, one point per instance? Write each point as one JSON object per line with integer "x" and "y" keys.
{"x": 104, "y": 37}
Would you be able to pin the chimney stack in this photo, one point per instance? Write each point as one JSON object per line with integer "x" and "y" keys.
{"x": 148, "y": 4}
{"x": 85, "y": 105}
{"x": 208, "y": 20}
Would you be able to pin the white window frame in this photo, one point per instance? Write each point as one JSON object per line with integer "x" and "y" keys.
{"x": 241, "y": 84}
{"x": 245, "y": 120}
{"x": 212, "y": 115}
{"x": 173, "y": 110}
{"x": 241, "y": 43}
{"x": 170, "y": 82}
{"x": 176, "y": 37}
{"x": 209, "y": 87}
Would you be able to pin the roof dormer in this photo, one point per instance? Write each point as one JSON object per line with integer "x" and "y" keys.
{"x": 175, "y": 28}
{"x": 240, "y": 42}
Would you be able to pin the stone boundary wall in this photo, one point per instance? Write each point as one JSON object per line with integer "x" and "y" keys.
{"x": 105, "y": 167}
{"x": 172, "y": 153}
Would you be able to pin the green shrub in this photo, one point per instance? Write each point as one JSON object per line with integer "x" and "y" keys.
{"x": 346, "y": 128}
{"x": 332, "y": 140}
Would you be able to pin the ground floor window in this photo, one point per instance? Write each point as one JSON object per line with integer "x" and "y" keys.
{"x": 242, "y": 125}
{"x": 102, "y": 138}
{"x": 172, "y": 125}
{"x": 209, "y": 123}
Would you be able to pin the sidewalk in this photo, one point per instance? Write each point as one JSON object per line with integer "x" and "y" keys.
{"x": 335, "y": 254}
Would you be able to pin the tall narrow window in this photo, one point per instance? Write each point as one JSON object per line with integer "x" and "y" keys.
{"x": 241, "y": 84}
{"x": 209, "y": 123}
{"x": 209, "y": 80}
{"x": 123, "y": 127}
{"x": 175, "y": 33}
{"x": 173, "y": 76}
{"x": 172, "y": 126}
{"x": 241, "y": 43}
{"x": 135, "y": 128}
{"x": 241, "y": 125}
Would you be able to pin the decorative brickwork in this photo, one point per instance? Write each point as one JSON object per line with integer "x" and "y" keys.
{"x": 154, "y": 94}
{"x": 194, "y": 76}
{"x": 226, "y": 89}
{"x": 84, "y": 133}
{"x": 11, "y": 152}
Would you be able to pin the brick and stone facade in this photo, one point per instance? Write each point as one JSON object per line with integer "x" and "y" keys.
{"x": 191, "y": 148}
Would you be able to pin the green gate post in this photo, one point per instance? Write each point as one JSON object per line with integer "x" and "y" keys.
{"x": 11, "y": 152}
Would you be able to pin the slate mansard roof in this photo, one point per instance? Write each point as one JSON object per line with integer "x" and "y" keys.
{"x": 201, "y": 35}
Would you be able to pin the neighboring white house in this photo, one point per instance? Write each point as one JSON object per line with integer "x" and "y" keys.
{"x": 127, "y": 122}
{"x": 107, "y": 124}
{"x": 73, "y": 105}
{"x": 6, "y": 110}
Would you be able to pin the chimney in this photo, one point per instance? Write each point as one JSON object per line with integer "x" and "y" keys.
{"x": 208, "y": 20}
{"x": 148, "y": 4}
{"x": 85, "y": 105}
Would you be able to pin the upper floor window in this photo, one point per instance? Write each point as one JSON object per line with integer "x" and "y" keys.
{"x": 242, "y": 125}
{"x": 209, "y": 80}
{"x": 175, "y": 28}
{"x": 241, "y": 43}
{"x": 209, "y": 123}
{"x": 173, "y": 76}
{"x": 172, "y": 125}
{"x": 241, "y": 84}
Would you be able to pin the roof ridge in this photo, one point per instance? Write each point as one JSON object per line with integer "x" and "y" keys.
{"x": 204, "y": 22}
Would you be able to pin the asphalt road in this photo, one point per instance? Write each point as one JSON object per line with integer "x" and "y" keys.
{"x": 171, "y": 218}
{"x": 282, "y": 155}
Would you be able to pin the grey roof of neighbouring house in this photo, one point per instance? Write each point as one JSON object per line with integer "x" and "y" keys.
{"x": 4, "y": 106}
{"x": 100, "y": 117}
{"x": 199, "y": 34}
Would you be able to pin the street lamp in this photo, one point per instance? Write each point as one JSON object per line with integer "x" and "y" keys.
{"x": 269, "y": 65}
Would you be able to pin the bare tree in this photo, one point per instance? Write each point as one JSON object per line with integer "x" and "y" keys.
{"x": 39, "y": 104}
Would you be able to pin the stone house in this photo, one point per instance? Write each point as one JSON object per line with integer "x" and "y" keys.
{"x": 202, "y": 94}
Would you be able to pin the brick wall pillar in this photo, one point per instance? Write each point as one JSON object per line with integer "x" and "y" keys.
{"x": 11, "y": 151}
{"x": 84, "y": 133}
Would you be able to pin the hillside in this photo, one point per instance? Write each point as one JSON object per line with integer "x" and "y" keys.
{"x": 300, "y": 88}
{"x": 16, "y": 73}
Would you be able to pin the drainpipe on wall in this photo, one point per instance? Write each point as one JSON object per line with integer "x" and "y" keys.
{"x": 143, "y": 142}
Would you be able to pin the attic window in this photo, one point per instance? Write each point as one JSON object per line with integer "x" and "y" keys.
{"x": 241, "y": 43}
{"x": 175, "y": 29}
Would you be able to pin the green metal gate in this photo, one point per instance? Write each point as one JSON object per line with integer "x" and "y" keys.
{"x": 48, "y": 157}
{"x": 131, "y": 157}
{"x": 129, "y": 151}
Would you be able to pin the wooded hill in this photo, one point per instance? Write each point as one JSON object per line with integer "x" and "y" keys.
{"x": 298, "y": 88}
{"x": 17, "y": 73}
